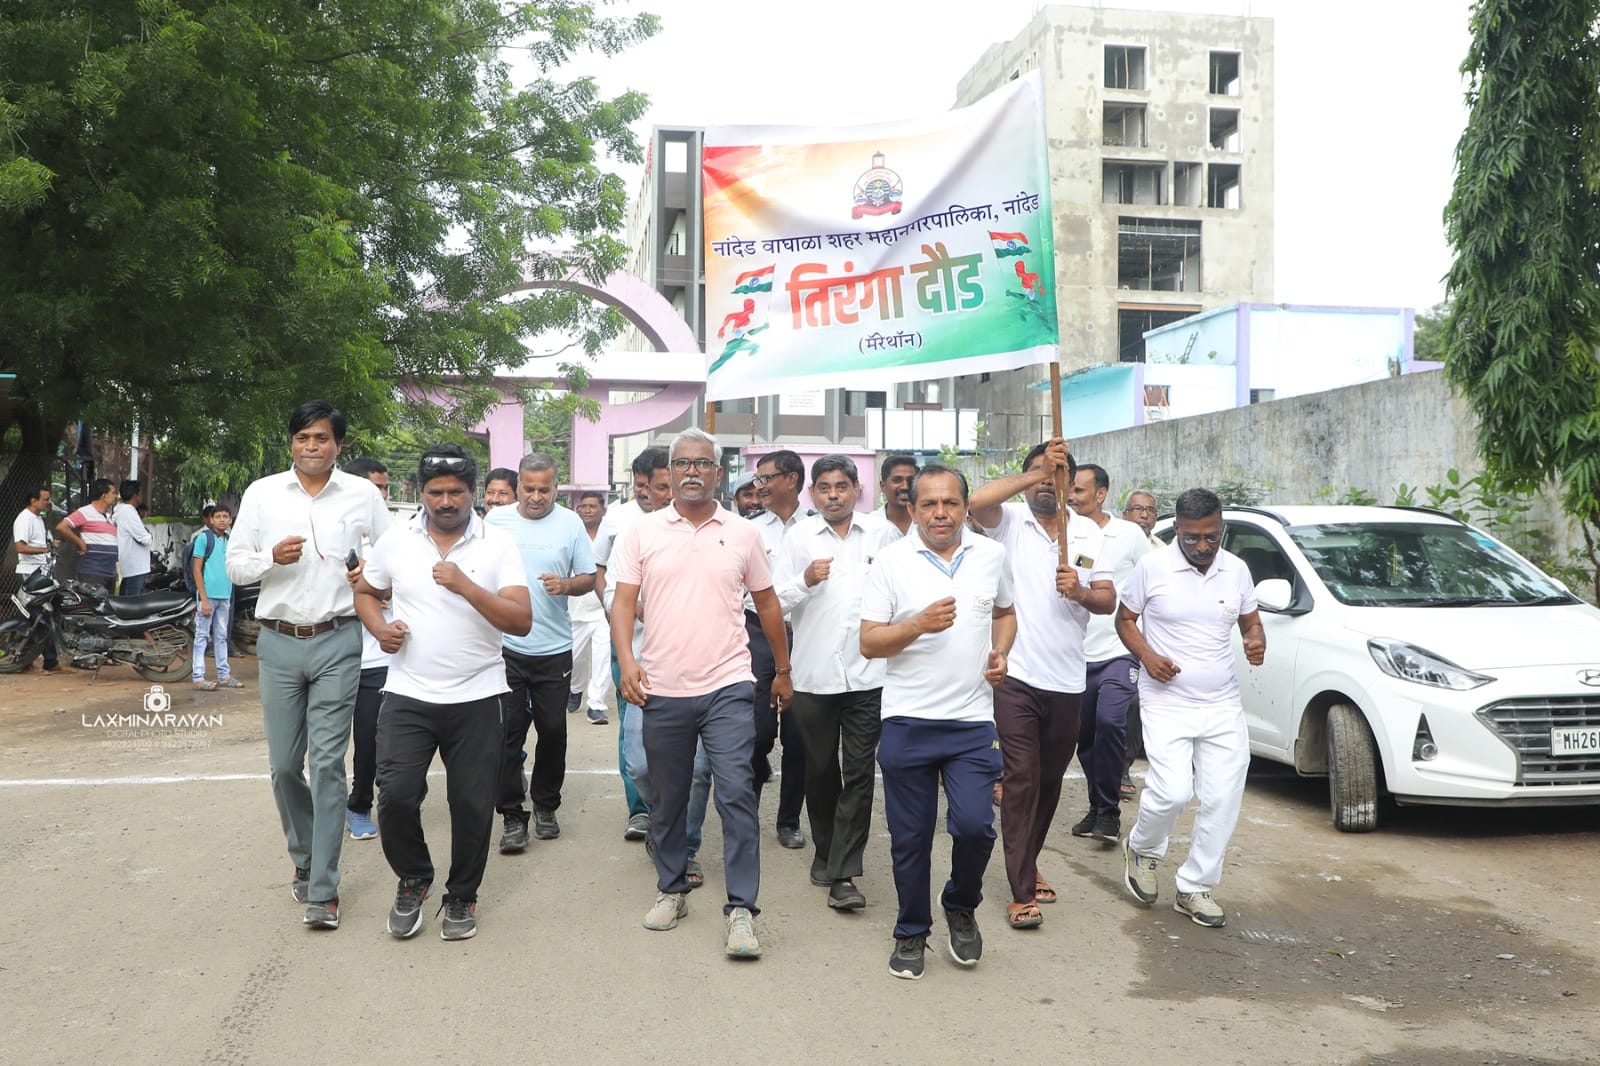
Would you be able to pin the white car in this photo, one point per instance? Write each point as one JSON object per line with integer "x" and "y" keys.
{"x": 1413, "y": 655}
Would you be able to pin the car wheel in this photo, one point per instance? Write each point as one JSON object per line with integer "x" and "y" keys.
{"x": 1352, "y": 770}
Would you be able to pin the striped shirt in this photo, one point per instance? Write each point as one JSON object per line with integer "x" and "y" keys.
{"x": 100, "y": 534}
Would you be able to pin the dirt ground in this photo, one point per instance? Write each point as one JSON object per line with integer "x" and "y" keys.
{"x": 154, "y": 924}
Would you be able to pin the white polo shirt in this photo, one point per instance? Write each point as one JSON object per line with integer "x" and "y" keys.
{"x": 1189, "y": 617}
{"x": 1048, "y": 653}
{"x": 826, "y": 617}
{"x": 1122, "y": 545}
{"x": 939, "y": 676}
{"x": 452, "y": 653}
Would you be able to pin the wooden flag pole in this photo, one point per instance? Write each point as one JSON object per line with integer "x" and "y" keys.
{"x": 1060, "y": 475}
{"x": 711, "y": 417}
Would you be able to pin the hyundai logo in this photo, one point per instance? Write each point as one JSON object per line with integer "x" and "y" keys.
{"x": 1589, "y": 677}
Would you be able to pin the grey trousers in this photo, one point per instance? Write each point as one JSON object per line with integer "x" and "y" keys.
{"x": 308, "y": 695}
{"x": 723, "y": 721}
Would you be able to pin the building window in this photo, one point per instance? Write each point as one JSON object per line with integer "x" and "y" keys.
{"x": 1134, "y": 322}
{"x": 1124, "y": 126}
{"x": 1188, "y": 184}
{"x": 1134, "y": 183}
{"x": 675, "y": 157}
{"x": 1125, "y": 66}
{"x": 1263, "y": 395}
{"x": 1222, "y": 186}
{"x": 736, "y": 407}
{"x": 1225, "y": 129}
{"x": 919, "y": 393}
{"x": 1224, "y": 74}
{"x": 857, "y": 403}
{"x": 1158, "y": 254}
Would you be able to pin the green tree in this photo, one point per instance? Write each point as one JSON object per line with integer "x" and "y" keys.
{"x": 212, "y": 210}
{"x": 1427, "y": 340}
{"x": 1524, "y": 221}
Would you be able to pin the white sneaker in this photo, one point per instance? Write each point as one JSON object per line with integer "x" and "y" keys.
{"x": 741, "y": 942}
{"x": 1201, "y": 909}
{"x": 670, "y": 906}
{"x": 1139, "y": 874}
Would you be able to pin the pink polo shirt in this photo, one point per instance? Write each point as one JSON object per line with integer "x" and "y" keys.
{"x": 691, "y": 584}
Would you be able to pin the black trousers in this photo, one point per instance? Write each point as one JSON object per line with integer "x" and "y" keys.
{"x": 364, "y": 737}
{"x": 770, "y": 726}
{"x": 839, "y": 732}
{"x": 467, "y": 737}
{"x": 538, "y": 697}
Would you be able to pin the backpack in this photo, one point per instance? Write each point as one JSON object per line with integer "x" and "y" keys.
{"x": 186, "y": 561}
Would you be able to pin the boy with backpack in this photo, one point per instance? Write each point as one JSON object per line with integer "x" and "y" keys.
{"x": 206, "y": 576}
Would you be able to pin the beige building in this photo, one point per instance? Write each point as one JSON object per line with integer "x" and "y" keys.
{"x": 1161, "y": 158}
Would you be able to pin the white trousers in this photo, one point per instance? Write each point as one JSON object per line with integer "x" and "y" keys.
{"x": 1191, "y": 752}
{"x": 591, "y": 661}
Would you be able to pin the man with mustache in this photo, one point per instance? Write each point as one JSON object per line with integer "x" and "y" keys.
{"x": 937, "y": 606}
{"x": 1191, "y": 594}
{"x": 746, "y": 501}
{"x": 1036, "y": 706}
{"x": 688, "y": 564}
{"x": 293, "y": 533}
{"x": 895, "y": 476}
{"x": 455, "y": 585}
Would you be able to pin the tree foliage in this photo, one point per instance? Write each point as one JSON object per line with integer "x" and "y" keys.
{"x": 212, "y": 210}
{"x": 1524, "y": 221}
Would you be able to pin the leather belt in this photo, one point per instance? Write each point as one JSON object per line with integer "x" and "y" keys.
{"x": 289, "y": 629}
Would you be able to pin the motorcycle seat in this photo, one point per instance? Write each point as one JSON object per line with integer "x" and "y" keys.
{"x": 148, "y": 604}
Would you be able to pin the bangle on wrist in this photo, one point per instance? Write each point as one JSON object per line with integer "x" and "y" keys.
{"x": 784, "y": 671}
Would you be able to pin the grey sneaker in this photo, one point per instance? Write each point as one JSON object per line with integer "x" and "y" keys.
{"x": 545, "y": 826}
{"x": 669, "y": 907}
{"x": 966, "y": 943}
{"x": 300, "y": 887}
{"x": 405, "y": 917}
{"x": 638, "y": 827}
{"x": 741, "y": 942}
{"x": 324, "y": 915}
{"x": 843, "y": 895}
{"x": 906, "y": 962}
{"x": 460, "y": 919}
{"x": 1139, "y": 875}
{"x": 515, "y": 837}
{"x": 1201, "y": 909}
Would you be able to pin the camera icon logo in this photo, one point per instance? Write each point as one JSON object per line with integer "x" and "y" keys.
{"x": 156, "y": 701}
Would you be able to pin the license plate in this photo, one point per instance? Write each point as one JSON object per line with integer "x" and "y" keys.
{"x": 1575, "y": 741}
{"x": 21, "y": 600}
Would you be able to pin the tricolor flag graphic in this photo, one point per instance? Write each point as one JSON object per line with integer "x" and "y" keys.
{"x": 754, "y": 281}
{"x": 1008, "y": 244}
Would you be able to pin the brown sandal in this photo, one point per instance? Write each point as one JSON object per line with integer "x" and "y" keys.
{"x": 694, "y": 875}
{"x": 1043, "y": 893}
{"x": 1024, "y": 915}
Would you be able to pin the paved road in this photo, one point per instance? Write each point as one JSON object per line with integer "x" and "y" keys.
{"x": 151, "y": 922}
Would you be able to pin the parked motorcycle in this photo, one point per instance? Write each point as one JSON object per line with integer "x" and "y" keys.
{"x": 153, "y": 633}
{"x": 164, "y": 572}
{"x": 245, "y": 628}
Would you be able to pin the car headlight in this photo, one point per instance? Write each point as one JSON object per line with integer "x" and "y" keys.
{"x": 1411, "y": 663}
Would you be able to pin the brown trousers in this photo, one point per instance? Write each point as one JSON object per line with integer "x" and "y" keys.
{"x": 1038, "y": 734}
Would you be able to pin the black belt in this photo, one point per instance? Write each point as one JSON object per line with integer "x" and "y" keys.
{"x": 289, "y": 629}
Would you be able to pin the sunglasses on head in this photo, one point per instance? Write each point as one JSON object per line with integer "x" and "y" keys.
{"x": 449, "y": 464}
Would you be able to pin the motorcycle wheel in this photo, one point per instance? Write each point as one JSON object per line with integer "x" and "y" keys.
{"x": 18, "y": 646}
{"x": 245, "y": 631}
{"x": 177, "y": 667}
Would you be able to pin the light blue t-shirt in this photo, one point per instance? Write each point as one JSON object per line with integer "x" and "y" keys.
{"x": 214, "y": 571}
{"x": 555, "y": 544}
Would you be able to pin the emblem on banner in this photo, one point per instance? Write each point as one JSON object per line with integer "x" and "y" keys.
{"x": 878, "y": 191}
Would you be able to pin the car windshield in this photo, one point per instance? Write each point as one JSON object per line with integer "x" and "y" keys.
{"x": 1422, "y": 565}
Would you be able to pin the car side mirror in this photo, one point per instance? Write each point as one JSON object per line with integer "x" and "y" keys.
{"x": 1274, "y": 594}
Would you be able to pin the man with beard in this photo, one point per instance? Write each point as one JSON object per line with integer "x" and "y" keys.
{"x": 895, "y": 475}
{"x": 937, "y": 606}
{"x": 688, "y": 564}
{"x": 822, "y": 568}
{"x": 293, "y": 533}
{"x": 652, "y": 490}
{"x": 455, "y": 585}
{"x": 746, "y": 499}
{"x": 1036, "y": 706}
{"x": 558, "y": 559}
{"x": 1191, "y": 594}
{"x": 778, "y": 480}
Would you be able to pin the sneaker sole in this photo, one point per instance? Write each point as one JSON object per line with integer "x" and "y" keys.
{"x": 847, "y": 904}
{"x": 634, "y": 834}
{"x": 1128, "y": 883}
{"x": 751, "y": 952}
{"x": 321, "y": 923}
{"x": 546, "y": 834}
{"x": 363, "y": 836}
{"x": 451, "y": 934}
{"x": 904, "y": 975}
{"x": 512, "y": 849}
{"x": 1107, "y": 838}
{"x": 406, "y": 934}
{"x": 683, "y": 912}
{"x": 1200, "y": 919}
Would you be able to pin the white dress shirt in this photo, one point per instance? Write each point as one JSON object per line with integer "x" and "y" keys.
{"x": 332, "y": 522}
{"x": 133, "y": 541}
{"x": 772, "y": 530}
{"x": 28, "y": 528}
{"x": 827, "y": 616}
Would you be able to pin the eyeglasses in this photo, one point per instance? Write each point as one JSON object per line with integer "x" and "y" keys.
{"x": 1194, "y": 539}
{"x": 449, "y": 464}
{"x": 705, "y": 466}
{"x": 765, "y": 479}
{"x": 1141, "y": 509}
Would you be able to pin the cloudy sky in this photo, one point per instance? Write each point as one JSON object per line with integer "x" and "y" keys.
{"x": 1369, "y": 107}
